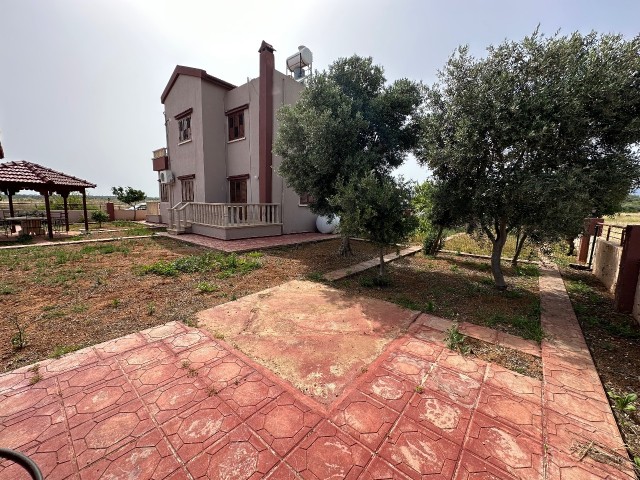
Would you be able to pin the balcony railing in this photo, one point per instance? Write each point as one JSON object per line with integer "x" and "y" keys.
{"x": 226, "y": 215}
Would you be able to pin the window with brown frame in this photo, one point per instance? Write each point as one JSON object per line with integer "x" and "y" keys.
{"x": 164, "y": 192}
{"x": 184, "y": 129}
{"x": 238, "y": 190}
{"x": 236, "y": 125}
{"x": 187, "y": 190}
{"x": 305, "y": 200}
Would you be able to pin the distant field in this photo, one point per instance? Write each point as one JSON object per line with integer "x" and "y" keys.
{"x": 623, "y": 219}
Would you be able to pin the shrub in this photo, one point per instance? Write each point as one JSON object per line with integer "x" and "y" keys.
{"x": 99, "y": 216}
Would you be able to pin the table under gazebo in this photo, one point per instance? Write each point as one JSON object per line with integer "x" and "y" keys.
{"x": 21, "y": 175}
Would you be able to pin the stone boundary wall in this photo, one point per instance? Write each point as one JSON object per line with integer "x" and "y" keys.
{"x": 606, "y": 262}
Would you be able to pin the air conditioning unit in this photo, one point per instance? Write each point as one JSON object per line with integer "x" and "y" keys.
{"x": 166, "y": 176}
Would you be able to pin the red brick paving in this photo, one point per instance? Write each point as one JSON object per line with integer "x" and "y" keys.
{"x": 173, "y": 402}
{"x": 249, "y": 244}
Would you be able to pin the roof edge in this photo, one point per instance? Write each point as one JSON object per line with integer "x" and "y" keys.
{"x": 193, "y": 72}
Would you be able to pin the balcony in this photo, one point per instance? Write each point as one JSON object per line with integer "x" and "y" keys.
{"x": 160, "y": 160}
{"x": 226, "y": 221}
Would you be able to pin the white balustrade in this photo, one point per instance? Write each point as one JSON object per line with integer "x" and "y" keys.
{"x": 183, "y": 214}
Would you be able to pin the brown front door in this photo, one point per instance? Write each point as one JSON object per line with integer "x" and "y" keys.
{"x": 238, "y": 190}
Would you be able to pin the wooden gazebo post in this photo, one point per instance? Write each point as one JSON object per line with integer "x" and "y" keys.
{"x": 65, "y": 196}
{"x": 48, "y": 208}
{"x": 11, "y": 214}
{"x": 84, "y": 209}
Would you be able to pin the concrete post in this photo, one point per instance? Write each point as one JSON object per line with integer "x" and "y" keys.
{"x": 629, "y": 270}
{"x": 585, "y": 241}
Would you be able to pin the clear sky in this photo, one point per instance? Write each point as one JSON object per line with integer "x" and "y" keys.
{"x": 80, "y": 80}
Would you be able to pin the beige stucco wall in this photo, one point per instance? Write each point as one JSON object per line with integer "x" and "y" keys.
{"x": 606, "y": 262}
{"x": 294, "y": 217}
{"x": 186, "y": 158}
{"x": 214, "y": 178}
{"x": 243, "y": 155}
{"x": 212, "y": 158}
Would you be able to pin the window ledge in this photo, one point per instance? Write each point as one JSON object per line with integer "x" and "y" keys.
{"x": 236, "y": 140}
{"x": 186, "y": 141}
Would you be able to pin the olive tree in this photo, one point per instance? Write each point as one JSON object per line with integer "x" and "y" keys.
{"x": 348, "y": 122}
{"x": 536, "y": 129}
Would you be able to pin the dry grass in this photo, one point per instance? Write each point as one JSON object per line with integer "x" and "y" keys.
{"x": 70, "y": 296}
{"x": 460, "y": 289}
{"x": 481, "y": 245}
{"x": 623, "y": 219}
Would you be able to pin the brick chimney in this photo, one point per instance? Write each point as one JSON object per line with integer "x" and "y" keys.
{"x": 265, "y": 121}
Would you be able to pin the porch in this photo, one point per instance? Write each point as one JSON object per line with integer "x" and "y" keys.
{"x": 226, "y": 221}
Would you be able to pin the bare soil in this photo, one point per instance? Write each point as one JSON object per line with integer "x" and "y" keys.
{"x": 459, "y": 289}
{"x": 70, "y": 296}
{"x": 614, "y": 341}
{"x": 520, "y": 362}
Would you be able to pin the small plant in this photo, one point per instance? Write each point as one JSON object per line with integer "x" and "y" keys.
{"x": 19, "y": 338}
{"x": 455, "y": 268}
{"x": 35, "y": 369}
{"x": 419, "y": 389}
{"x": 430, "y": 307}
{"x": 376, "y": 281}
{"x": 218, "y": 336}
{"x": 151, "y": 309}
{"x": 99, "y": 216}
{"x": 61, "y": 350}
{"x": 454, "y": 340}
{"x": 207, "y": 287}
{"x": 624, "y": 403}
{"x": 115, "y": 303}
{"x": 212, "y": 391}
{"x": 24, "y": 238}
{"x": 191, "y": 372}
{"x": 315, "y": 276}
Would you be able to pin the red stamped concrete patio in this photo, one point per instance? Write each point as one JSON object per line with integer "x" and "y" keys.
{"x": 174, "y": 402}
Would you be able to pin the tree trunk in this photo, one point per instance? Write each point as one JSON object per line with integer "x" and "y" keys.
{"x": 572, "y": 247}
{"x": 345, "y": 247}
{"x": 496, "y": 254}
{"x": 436, "y": 242}
{"x": 519, "y": 244}
{"x": 381, "y": 269}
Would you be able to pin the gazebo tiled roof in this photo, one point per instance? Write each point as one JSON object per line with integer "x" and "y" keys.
{"x": 32, "y": 175}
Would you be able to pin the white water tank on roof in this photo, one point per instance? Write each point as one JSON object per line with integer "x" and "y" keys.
{"x": 302, "y": 59}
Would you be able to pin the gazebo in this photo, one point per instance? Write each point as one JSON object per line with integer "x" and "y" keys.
{"x": 22, "y": 175}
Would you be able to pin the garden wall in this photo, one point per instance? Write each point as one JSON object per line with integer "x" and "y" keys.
{"x": 606, "y": 262}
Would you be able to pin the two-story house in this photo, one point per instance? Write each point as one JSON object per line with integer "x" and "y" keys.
{"x": 217, "y": 175}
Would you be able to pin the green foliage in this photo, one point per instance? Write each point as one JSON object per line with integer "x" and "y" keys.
{"x": 377, "y": 281}
{"x": 129, "y": 195}
{"x": 347, "y": 123}
{"x": 624, "y": 403}
{"x": 207, "y": 287}
{"x": 454, "y": 340}
{"x": 61, "y": 350}
{"x": 535, "y": 135}
{"x": 99, "y": 216}
{"x": 225, "y": 265}
{"x": 631, "y": 204}
{"x": 379, "y": 210}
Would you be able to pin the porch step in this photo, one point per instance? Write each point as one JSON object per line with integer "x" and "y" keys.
{"x": 173, "y": 231}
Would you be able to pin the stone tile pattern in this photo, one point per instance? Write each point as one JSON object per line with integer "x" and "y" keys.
{"x": 577, "y": 411}
{"x": 173, "y": 402}
{"x": 249, "y": 244}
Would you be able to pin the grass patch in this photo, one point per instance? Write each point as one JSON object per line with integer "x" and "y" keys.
{"x": 6, "y": 289}
{"x": 527, "y": 326}
{"x": 375, "y": 281}
{"x": 104, "y": 249}
{"x": 206, "y": 287}
{"x": 225, "y": 265}
{"x": 61, "y": 350}
{"x": 481, "y": 245}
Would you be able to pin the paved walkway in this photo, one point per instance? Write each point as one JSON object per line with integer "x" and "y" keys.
{"x": 174, "y": 402}
{"x": 578, "y": 422}
{"x": 249, "y": 244}
{"x": 361, "y": 267}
